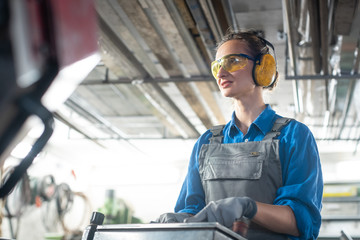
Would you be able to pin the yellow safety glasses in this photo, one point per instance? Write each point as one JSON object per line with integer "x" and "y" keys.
{"x": 230, "y": 63}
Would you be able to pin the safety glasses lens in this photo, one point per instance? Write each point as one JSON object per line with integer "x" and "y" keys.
{"x": 229, "y": 63}
{"x": 234, "y": 63}
{"x": 215, "y": 68}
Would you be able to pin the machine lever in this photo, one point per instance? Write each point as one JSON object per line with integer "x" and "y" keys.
{"x": 97, "y": 218}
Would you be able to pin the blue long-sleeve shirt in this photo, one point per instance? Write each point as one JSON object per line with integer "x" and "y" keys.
{"x": 300, "y": 163}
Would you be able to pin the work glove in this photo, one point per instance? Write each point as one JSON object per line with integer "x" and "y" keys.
{"x": 173, "y": 217}
{"x": 226, "y": 211}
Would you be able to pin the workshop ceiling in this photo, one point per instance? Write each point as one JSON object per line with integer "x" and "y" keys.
{"x": 154, "y": 81}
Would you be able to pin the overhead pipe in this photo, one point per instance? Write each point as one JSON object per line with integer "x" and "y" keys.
{"x": 149, "y": 80}
{"x": 290, "y": 36}
{"x": 61, "y": 118}
{"x": 76, "y": 106}
{"x": 357, "y": 144}
{"x": 322, "y": 77}
{"x": 326, "y": 31}
{"x": 207, "y": 79}
{"x": 348, "y": 101}
{"x": 315, "y": 34}
{"x": 351, "y": 88}
{"x": 87, "y": 113}
{"x": 232, "y": 17}
{"x": 319, "y": 18}
{"x": 324, "y": 21}
{"x": 303, "y": 27}
{"x": 291, "y": 51}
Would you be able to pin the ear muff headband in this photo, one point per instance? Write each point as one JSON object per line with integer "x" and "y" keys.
{"x": 265, "y": 70}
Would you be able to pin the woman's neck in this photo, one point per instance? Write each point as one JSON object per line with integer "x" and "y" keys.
{"x": 247, "y": 111}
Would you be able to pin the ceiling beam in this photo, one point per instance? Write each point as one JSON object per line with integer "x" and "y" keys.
{"x": 152, "y": 90}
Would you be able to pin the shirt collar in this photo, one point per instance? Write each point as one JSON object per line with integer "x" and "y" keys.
{"x": 263, "y": 122}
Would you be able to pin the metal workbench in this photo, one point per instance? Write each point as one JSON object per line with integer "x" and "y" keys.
{"x": 161, "y": 231}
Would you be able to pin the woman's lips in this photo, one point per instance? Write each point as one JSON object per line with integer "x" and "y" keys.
{"x": 225, "y": 83}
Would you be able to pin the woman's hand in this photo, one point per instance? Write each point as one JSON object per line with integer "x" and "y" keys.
{"x": 226, "y": 211}
{"x": 172, "y": 217}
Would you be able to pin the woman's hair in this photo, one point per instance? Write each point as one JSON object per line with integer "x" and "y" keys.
{"x": 255, "y": 42}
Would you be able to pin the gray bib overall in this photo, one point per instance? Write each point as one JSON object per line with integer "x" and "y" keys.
{"x": 249, "y": 169}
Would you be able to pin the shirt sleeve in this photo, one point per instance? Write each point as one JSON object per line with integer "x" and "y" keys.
{"x": 192, "y": 197}
{"x": 302, "y": 179}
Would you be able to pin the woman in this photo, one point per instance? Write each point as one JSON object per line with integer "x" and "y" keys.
{"x": 259, "y": 165}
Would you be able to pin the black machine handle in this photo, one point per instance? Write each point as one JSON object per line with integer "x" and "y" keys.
{"x": 97, "y": 218}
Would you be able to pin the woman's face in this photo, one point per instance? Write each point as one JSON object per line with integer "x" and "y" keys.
{"x": 239, "y": 83}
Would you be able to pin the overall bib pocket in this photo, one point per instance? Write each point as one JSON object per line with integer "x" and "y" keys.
{"x": 234, "y": 167}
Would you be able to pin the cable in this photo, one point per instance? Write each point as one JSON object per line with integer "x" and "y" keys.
{"x": 84, "y": 218}
{"x": 32, "y": 107}
{"x": 17, "y": 201}
{"x": 64, "y": 199}
{"x": 63, "y": 204}
{"x": 19, "y": 197}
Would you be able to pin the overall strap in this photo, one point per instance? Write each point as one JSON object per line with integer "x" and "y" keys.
{"x": 217, "y": 135}
{"x": 277, "y": 127}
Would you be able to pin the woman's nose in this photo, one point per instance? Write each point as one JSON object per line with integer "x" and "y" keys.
{"x": 222, "y": 72}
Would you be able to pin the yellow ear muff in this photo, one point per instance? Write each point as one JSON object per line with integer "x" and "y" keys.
{"x": 264, "y": 72}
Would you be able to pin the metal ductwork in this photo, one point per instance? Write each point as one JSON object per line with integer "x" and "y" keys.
{"x": 321, "y": 56}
